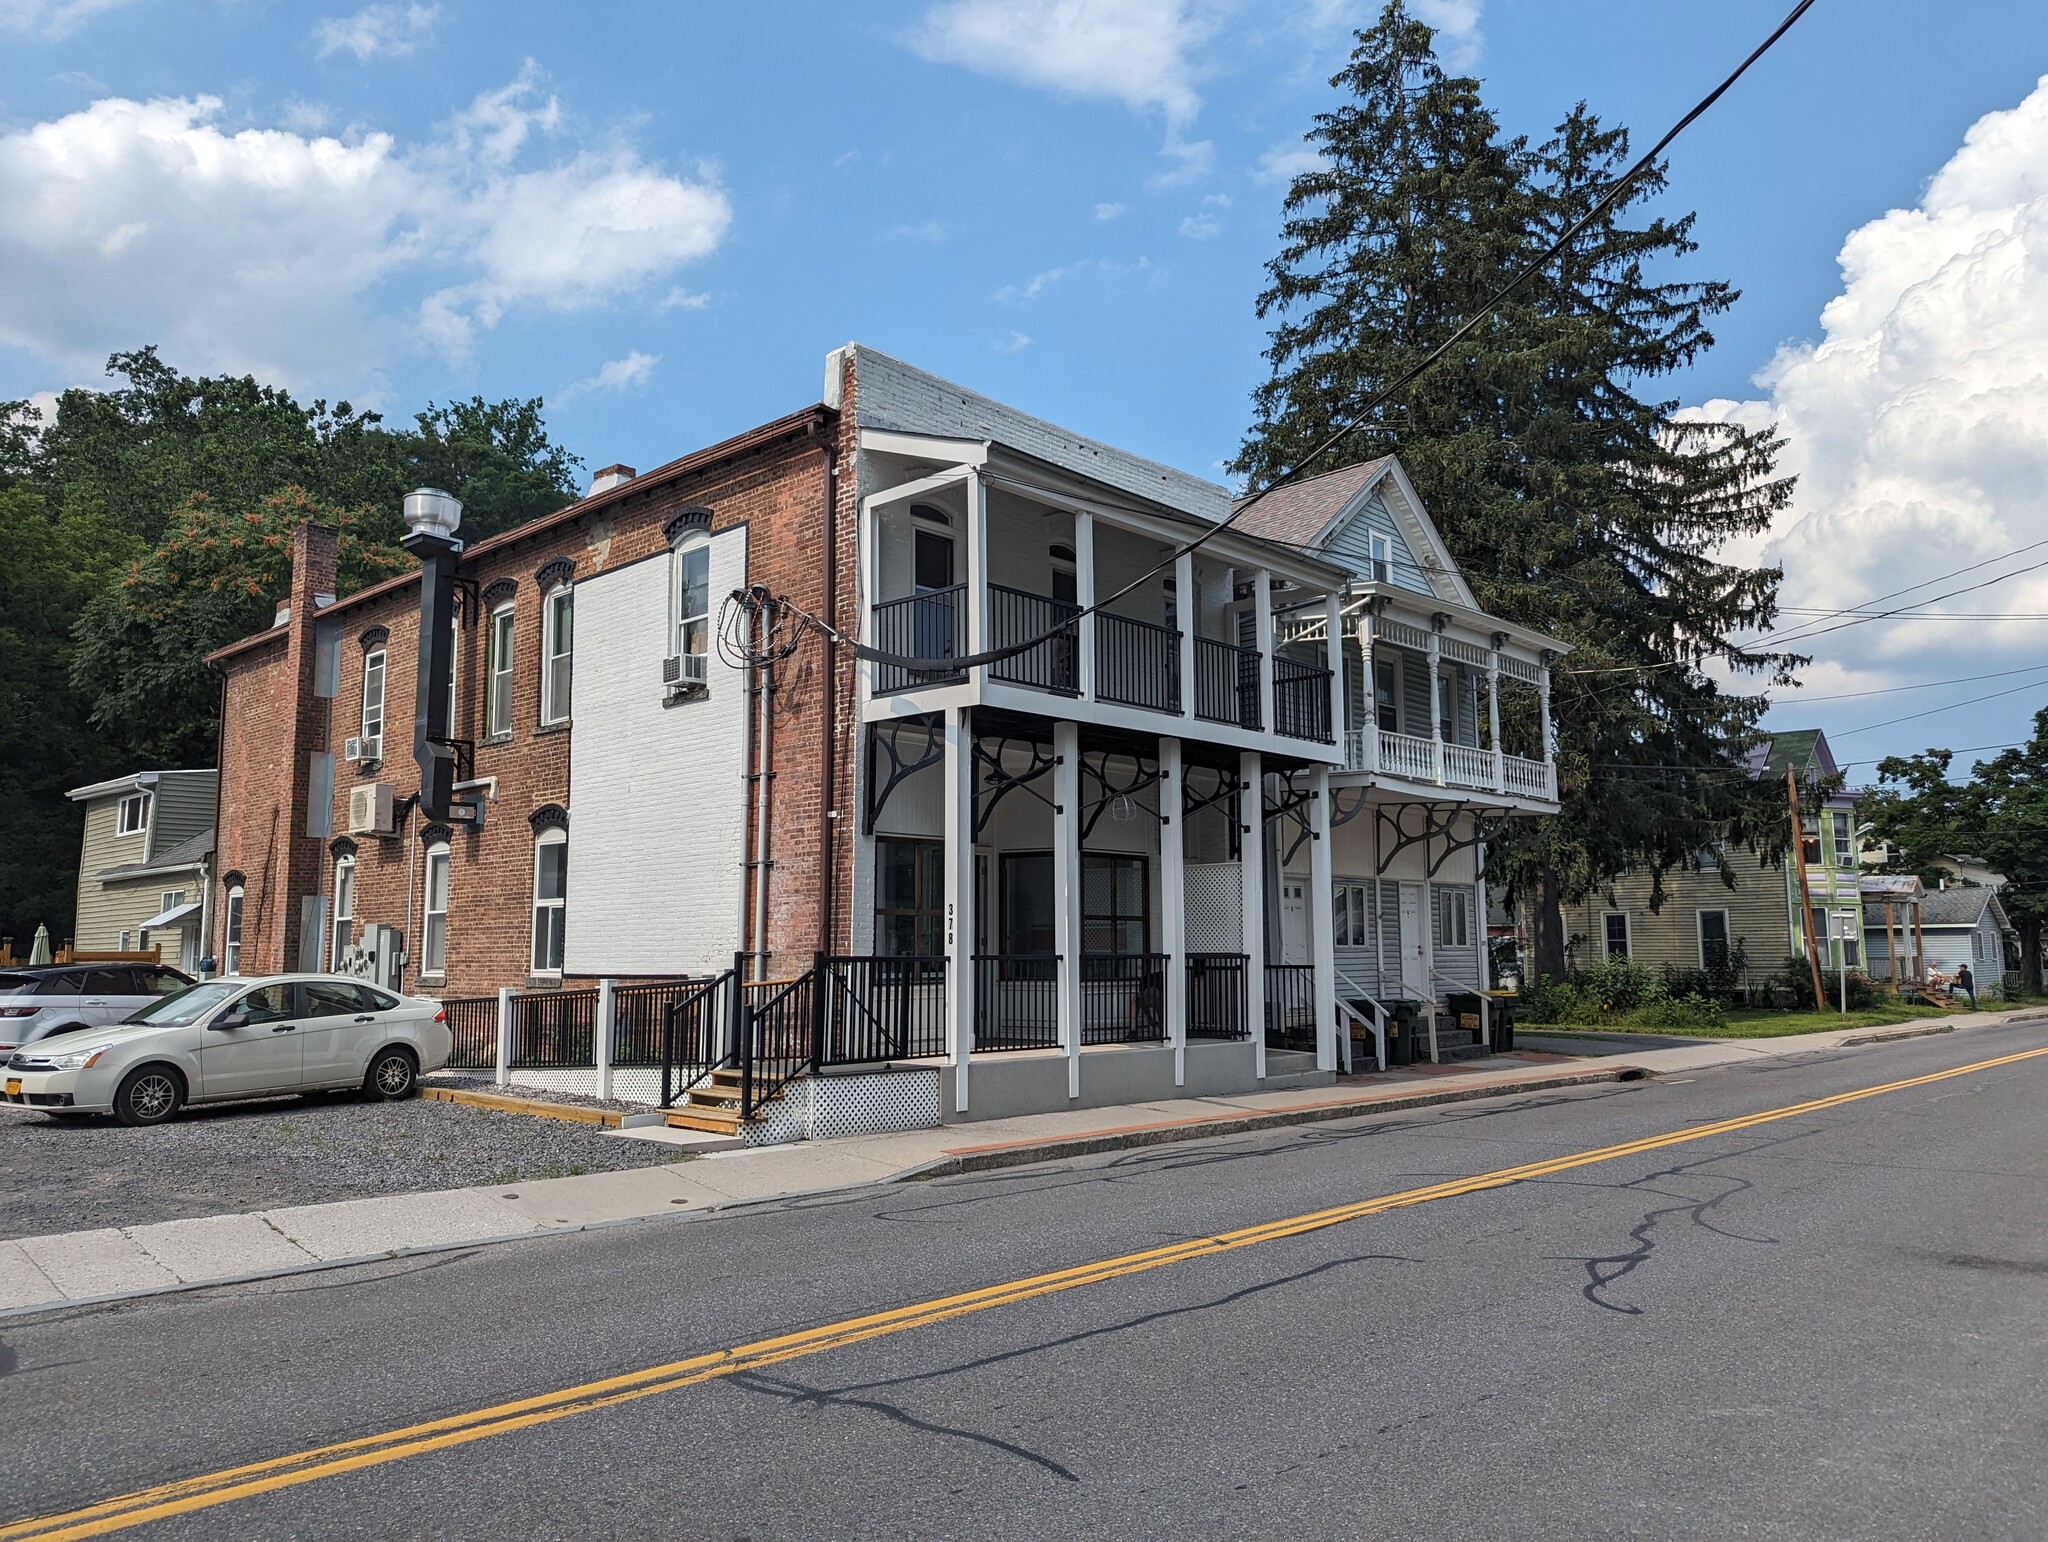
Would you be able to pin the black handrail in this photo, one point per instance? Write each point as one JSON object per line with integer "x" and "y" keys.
{"x": 696, "y": 1036}
{"x": 1290, "y": 1006}
{"x": 1216, "y": 996}
{"x": 1015, "y": 615}
{"x": 1016, "y": 1001}
{"x": 1301, "y": 701}
{"x": 779, "y": 1032}
{"x": 1227, "y": 683}
{"x": 1123, "y": 997}
{"x": 1137, "y": 663}
{"x": 875, "y": 1009}
{"x": 932, "y": 625}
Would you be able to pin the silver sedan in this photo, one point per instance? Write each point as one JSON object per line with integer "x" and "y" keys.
{"x": 235, "y": 1038}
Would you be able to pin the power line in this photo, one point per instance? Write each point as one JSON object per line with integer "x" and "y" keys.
{"x": 2031, "y": 685}
{"x": 1924, "y": 685}
{"x": 1879, "y": 599}
{"x": 1865, "y": 619}
{"x": 1372, "y": 403}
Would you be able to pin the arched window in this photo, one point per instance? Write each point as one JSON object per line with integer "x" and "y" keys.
{"x": 434, "y": 944}
{"x": 690, "y": 587}
{"x": 550, "y": 899}
{"x": 231, "y": 933}
{"x": 344, "y": 909}
{"x": 557, "y": 640}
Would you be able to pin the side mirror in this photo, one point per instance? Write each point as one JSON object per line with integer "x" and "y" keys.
{"x": 230, "y": 1020}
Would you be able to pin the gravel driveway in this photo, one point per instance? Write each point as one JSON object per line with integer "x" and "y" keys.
{"x": 61, "y": 1175}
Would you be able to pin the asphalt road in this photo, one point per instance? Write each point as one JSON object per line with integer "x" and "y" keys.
{"x": 1833, "y": 1324}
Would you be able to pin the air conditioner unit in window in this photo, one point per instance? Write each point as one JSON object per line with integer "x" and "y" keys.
{"x": 682, "y": 674}
{"x": 369, "y": 809}
{"x": 368, "y": 747}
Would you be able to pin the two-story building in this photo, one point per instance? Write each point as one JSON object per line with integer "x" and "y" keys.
{"x": 989, "y": 746}
{"x": 143, "y": 864}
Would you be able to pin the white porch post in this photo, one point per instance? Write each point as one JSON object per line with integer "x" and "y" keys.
{"x": 607, "y": 1026}
{"x": 1369, "y": 730}
{"x": 1493, "y": 715}
{"x": 504, "y": 1072}
{"x": 1262, "y": 634}
{"x": 1436, "y": 696}
{"x": 977, "y": 568}
{"x": 1188, "y": 612}
{"x": 1427, "y": 922}
{"x": 1066, "y": 892}
{"x": 1479, "y": 902}
{"x": 1251, "y": 847}
{"x": 1333, "y": 651}
{"x": 959, "y": 825}
{"x": 1550, "y": 728}
{"x": 1084, "y": 596}
{"x": 1321, "y": 923}
{"x": 1173, "y": 907}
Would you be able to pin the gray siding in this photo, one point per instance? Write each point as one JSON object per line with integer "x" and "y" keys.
{"x": 1456, "y": 967}
{"x": 1351, "y": 544}
{"x": 184, "y": 808}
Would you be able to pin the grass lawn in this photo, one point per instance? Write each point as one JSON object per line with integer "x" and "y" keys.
{"x": 1759, "y": 1023}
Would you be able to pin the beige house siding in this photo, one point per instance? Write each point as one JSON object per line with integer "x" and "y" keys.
{"x": 1759, "y": 921}
{"x": 184, "y": 808}
{"x": 119, "y": 907}
{"x": 100, "y": 918}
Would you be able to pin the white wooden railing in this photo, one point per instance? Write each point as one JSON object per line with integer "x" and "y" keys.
{"x": 1467, "y": 766}
{"x": 1406, "y": 755}
{"x": 1528, "y": 778}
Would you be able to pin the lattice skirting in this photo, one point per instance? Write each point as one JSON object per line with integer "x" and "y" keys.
{"x": 1215, "y": 896}
{"x": 871, "y": 1103}
{"x": 637, "y": 1084}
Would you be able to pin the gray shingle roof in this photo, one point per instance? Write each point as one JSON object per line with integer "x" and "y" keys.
{"x": 1297, "y": 513}
{"x": 185, "y": 854}
{"x": 1955, "y": 907}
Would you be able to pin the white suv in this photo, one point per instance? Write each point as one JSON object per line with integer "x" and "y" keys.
{"x": 234, "y": 1038}
{"x": 39, "y": 1001}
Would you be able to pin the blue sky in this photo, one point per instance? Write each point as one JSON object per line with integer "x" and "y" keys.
{"x": 660, "y": 217}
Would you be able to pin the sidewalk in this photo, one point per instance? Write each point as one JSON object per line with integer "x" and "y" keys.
{"x": 41, "y": 1273}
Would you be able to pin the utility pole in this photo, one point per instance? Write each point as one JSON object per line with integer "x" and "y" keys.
{"x": 1805, "y": 894}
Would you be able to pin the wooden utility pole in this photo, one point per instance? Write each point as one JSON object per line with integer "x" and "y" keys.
{"x": 1919, "y": 947}
{"x": 1805, "y": 894}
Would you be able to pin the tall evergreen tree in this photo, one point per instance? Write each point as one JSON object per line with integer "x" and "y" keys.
{"x": 1573, "y": 504}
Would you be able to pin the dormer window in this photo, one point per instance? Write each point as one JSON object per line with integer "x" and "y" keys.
{"x": 131, "y": 815}
{"x": 1382, "y": 560}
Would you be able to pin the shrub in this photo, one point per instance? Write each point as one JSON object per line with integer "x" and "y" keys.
{"x": 1693, "y": 1010}
{"x": 1550, "y": 1002}
{"x": 1616, "y": 985}
{"x": 1797, "y": 981}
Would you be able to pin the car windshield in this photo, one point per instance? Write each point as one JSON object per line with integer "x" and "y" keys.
{"x": 187, "y": 1005}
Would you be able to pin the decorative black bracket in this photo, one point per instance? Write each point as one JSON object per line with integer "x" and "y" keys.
{"x": 1229, "y": 789}
{"x": 1340, "y": 814}
{"x": 1438, "y": 835}
{"x": 878, "y": 787}
{"x": 1291, "y": 806}
{"x": 999, "y": 781}
{"x": 1095, "y": 769}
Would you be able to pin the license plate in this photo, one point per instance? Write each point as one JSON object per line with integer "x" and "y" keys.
{"x": 14, "y": 1086}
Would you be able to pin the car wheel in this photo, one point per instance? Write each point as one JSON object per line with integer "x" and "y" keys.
{"x": 392, "y": 1076}
{"x": 151, "y": 1094}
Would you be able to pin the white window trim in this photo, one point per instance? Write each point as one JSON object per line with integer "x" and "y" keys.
{"x": 166, "y": 898}
{"x": 438, "y": 850}
{"x": 141, "y": 802}
{"x": 1381, "y": 553}
{"x": 1346, "y": 889}
{"x": 344, "y": 888}
{"x": 455, "y": 675}
{"x": 499, "y": 665}
{"x": 693, "y": 541}
{"x": 1699, "y": 932}
{"x": 545, "y": 839}
{"x": 382, "y": 660}
{"x": 231, "y": 933}
{"x": 1628, "y": 932}
{"x": 558, "y": 600}
{"x": 1445, "y": 894}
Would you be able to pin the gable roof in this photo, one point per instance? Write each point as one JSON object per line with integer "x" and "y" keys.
{"x": 1302, "y": 513}
{"x": 1794, "y": 747}
{"x": 1961, "y": 907}
{"x": 187, "y": 853}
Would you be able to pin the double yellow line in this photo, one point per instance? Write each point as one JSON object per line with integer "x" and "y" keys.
{"x": 189, "y": 1494}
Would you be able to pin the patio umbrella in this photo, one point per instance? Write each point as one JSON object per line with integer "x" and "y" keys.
{"x": 39, "y": 951}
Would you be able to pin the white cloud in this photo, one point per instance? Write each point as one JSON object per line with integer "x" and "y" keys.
{"x": 1016, "y": 342}
{"x": 1109, "y": 211}
{"x": 1918, "y": 424}
{"x": 1201, "y": 227}
{"x": 620, "y": 375}
{"x": 377, "y": 31}
{"x": 1282, "y": 163}
{"x": 931, "y": 232}
{"x": 1033, "y": 286}
{"x": 1216, "y": 200}
{"x": 52, "y": 18}
{"x": 1039, "y": 283}
{"x": 1459, "y": 42}
{"x": 276, "y": 251}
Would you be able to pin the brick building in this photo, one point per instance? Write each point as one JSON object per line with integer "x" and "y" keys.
{"x": 1115, "y": 832}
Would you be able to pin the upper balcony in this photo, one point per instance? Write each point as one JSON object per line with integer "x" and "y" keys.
{"x": 985, "y": 555}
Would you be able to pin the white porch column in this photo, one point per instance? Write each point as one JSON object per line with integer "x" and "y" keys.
{"x": 504, "y": 1068}
{"x": 606, "y": 1028}
{"x": 1549, "y": 727}
{"x": 868, "y": 590}
{"x": 1427, "y": 921}
{"x": 977, "y": 566}
{"x": 1333, "y": 651}
{"x": 1251, "y": 847}
{"x": 1188, "y": 611}
{"x": 959, "y": 826}
{"x": 1173, "y": 907}
{"x": 1369, "y": 731}
{"x": 1084, "y": 596}
{"x": 1436, "y": 697}
{"x": 1479, "y": 902}
{"x": 1066, "y": 892}
{"x": 1321, "y": 923}
{"x": 1262, "y": 632}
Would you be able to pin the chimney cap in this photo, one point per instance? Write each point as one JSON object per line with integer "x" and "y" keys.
{"x": 609, "y": 477}
{"x": 429, "y": 511}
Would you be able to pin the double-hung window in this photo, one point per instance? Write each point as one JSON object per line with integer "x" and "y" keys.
{"x": 691, "y": 638}
{"x": 1844, "y": 825}
{"x": 550, "y": 899}
{"x": 1615, "y": 934}
{"x": 1382, "y": 560}
{"x": 1453, "y": 918}
{"x": 373, "y": 701}
{"x": 558, "y": 619}
{"x": 434, "y": 954}
{"x": 910, "y": 898}
{"x": 1714, "y": 939}
{"x": 131, "y": 817}
{"x": 231, "y": 933}
{"x": 1351, "y": 915}
{"x": 498, "y": 674}
{"x": 1115, "y": 904}
{"x": 344, "y": 908}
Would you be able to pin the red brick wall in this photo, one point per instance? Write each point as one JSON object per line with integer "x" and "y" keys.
{"x": 778, "y": 490}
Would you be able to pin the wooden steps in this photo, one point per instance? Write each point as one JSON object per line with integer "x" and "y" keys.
{"x": 712, "y": 1106}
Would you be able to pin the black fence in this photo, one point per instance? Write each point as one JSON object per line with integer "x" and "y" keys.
{"x": 1290, "y": 1006}
{"x": 554, "y": 1030}
{"x": 778, "y": 1036}
{"x": 640, "y": 1018}
{"x": 924, "y": 626}
{"x": 1216, "y": 996}
{"x": 1227, "y": 683}
{"x": 473, "y": 1020}
{"x": 1016, "y": 1001}
{"x": 1016, "y": 616}
{"x": 877, "y": 1009}
{"x": 1301, "y": 701}
{"x": 696, "y": 1035}
{"x": 1137, "y": 663}
{"x": 1123, "y": 997}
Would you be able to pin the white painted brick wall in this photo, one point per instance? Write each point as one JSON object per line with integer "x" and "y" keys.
{"x": 657, "y": 796}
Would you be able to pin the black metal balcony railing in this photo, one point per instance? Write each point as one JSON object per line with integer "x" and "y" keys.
{"x": 923, "y": 626}
{"x": 1123, "y": 997}
{"x": 1290, "y": 1006}
{"x": 1137, "y": 663}
{"x": 1301, "y": 701}
{"x": 878, "y": 1009}
{"x": 1016, "y": 1001}
{"x": 1226, "y": 683}
{"x": 1015, "y": 616}
{"x": 1216, "y": 996}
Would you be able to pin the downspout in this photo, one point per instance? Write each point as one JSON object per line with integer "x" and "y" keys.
{"x": 828, "y": 813}
{"x": 207, "y": 869}
{"x": 764, "y": 776}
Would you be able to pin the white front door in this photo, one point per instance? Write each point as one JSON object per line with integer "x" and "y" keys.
{"x": 1414, "y": 966}
{"x": 1293, "y": 921}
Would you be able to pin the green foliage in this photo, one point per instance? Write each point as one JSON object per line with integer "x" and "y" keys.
{"x": 1575, "y": 502}
{"x": 1617, "y": 993}
{"x": 1618, "y": 984}
{"x": 1690, "y": 1011}
{"x": 1795, "y": 984}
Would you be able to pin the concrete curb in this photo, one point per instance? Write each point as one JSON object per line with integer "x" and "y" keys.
{"x": 1886, "y": 1036}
